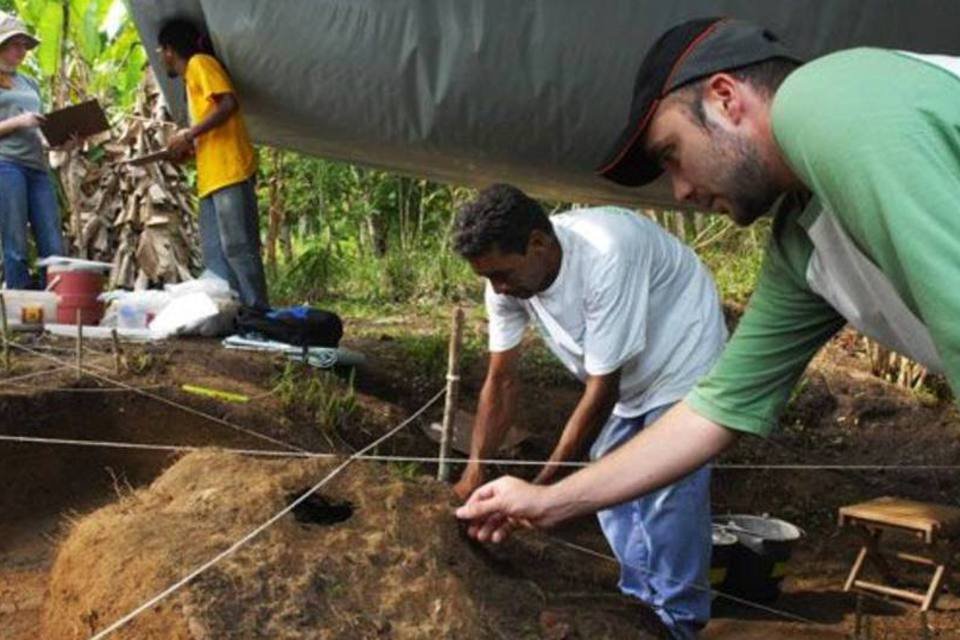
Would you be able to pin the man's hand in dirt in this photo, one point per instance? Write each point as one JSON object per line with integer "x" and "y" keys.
{"x": 180, "y": 143}
{"x": 498, "y": 507}
{"x": 472, "y": 478}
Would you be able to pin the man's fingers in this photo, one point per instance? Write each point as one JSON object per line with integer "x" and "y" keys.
{"x": 489, "y": 527}
{"x": 502, "y": 532}
{"x": 482, "y": 503}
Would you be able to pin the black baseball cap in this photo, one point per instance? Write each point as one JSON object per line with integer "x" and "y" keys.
{"x": 687, "y": 52}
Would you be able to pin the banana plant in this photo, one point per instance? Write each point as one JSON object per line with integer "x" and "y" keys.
{"x": 87, "y": 47}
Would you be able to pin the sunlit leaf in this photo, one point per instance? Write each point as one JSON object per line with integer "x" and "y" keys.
{"x": 50, "y": 33}
{"x": 30, "y": 10}
{"x": 114, "y": 18}
{"x": 85, "y": 27}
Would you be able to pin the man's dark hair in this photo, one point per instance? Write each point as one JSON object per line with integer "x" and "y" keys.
{"x": 183, "y": 37}
{"x": 765, "y": 77}
{"x": 501, "y": 217}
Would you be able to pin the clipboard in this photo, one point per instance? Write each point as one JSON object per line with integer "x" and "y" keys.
{"x": 84, "y": 119}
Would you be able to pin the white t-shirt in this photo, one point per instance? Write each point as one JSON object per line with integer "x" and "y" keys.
{"x": 628, "y": 296}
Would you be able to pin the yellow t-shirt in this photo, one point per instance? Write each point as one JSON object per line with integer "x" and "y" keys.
{"x": 224, "y": 154}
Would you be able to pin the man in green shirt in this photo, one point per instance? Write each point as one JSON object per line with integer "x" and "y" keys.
{"x": 859, "y": 153}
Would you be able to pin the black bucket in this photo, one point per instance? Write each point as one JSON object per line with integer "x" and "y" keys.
{"x": 723, "y": 545}
{"x": 758, "y": 561}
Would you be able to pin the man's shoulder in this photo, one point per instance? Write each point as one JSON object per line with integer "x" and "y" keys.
{"x": 203, "y": 63}
{"x": 608, "y": 230}
{"x": 839, "y": 82}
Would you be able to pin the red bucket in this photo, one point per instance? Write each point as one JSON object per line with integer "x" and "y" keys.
{"x": 78, "y": 291}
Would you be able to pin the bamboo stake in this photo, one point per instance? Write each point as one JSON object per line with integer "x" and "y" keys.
{"x": 453, "y": 389}
{"x": 116, "y": 350}
{"x": 79, "y": 345}
{"x": 6, "y": 344}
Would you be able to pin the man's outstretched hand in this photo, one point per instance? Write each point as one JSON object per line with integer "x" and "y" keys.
{"x": 498, "y": 507}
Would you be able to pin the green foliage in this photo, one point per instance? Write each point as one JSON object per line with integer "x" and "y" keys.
{"x": 91, "y": 45}
{"x": 365, "y": 236}
{"x": 427, "y": 353}
{"x": 405, "y": 470}
{"x": 50, "y": 31}
{"x": 324, "y": 399}
{"x": 735, "y": 261}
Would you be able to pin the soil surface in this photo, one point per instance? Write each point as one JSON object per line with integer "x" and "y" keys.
{"x": 533, "y": 586}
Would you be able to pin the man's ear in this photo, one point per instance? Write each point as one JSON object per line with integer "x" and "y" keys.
{"x": 723, "y": 95}
{"x": 539, "y": 240}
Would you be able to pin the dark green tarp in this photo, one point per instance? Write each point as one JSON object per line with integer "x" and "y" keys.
{"x": 473, "y": 91}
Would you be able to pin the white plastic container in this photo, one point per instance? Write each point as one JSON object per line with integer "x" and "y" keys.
{"x": 30, "y": 308}
{"x": 131, "y": 315}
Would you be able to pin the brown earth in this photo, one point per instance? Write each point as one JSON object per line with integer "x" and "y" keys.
{"x": 398, "y": 567}
{"x": 841, "y": 415}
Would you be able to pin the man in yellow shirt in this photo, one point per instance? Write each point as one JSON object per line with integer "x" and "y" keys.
{"x": 226, "y": 162}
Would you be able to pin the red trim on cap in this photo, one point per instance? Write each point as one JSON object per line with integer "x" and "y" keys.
{"x": 653, "y": 105}
{"x": 690, "y": 48}
{"x": 643, "y": 125}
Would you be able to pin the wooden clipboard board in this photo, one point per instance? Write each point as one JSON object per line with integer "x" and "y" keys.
{"x": 83, "y": 120}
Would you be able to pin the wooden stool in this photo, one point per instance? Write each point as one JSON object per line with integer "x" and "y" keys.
{"x": 934, "y": 524}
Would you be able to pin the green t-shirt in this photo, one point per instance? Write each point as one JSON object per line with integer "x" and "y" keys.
{"x": 875, "y": 136}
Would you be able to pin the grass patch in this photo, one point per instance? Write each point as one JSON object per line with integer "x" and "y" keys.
{"x": 319, "y": 396}
{"x": 423, "y": 276}
{"x": 735, "y": 261}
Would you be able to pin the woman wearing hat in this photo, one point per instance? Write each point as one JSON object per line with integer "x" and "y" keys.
{"x": 27, "y": 194}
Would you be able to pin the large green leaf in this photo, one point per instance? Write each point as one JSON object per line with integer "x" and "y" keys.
{"x": 50, "y": 32}
{"x": 85, "y": 28}
{"x": 113, "y": 18}
{"x": 30, "y": 10}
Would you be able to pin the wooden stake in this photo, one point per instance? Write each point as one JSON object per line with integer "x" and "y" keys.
{"x": 453, "y": 389}
{"x": 116, "y": 349}
{"x": 79, "y": 345}
{"x": 6, "y": 344}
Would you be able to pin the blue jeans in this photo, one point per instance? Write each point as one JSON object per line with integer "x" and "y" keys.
{"x": 662, "y": 539}
{"x": 230, "y": 240}
{"x": 27, "y": 197}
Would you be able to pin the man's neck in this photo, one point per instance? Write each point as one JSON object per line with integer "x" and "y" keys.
{"x": 554, "y": 262}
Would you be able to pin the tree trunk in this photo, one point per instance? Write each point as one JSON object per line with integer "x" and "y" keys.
{"x": 275, "y": 207}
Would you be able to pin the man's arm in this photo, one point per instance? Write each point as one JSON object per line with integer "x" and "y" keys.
{"x": 649, "y": 461}
{"x": 599, "y": 397}
{"x": 495, "y": 410}
{"x": 20, "y": 121}
{"x": 180, "y": 142}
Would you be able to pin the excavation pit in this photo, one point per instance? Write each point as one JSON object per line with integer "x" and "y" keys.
{"x": 106, "y": 529}
{"x": 318, "y": 509}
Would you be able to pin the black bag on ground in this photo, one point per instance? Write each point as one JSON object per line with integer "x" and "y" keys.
{"x": 301, "y": 326}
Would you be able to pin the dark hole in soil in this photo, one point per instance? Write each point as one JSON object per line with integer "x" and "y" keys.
{"x": 318, "y": 509}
